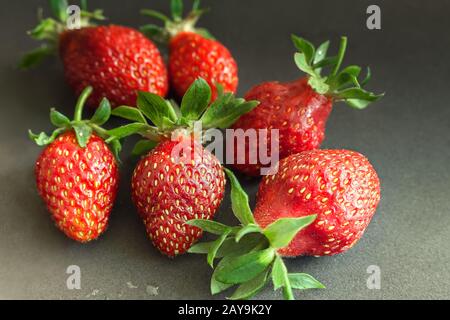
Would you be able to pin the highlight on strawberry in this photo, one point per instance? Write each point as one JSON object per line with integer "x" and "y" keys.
{"x": 318, "y": 203}
{"x": 116, "y": 61}
{"x": 300, "y": 109}
{"x": 177, "y": 179}
{"x": 77, "y": 173}
{"x": 193, "y": 52}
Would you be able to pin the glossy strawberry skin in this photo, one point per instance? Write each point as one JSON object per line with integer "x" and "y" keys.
{"x": 168, "y": 191}
{"x": 340, "y": 186}
{"x": 78, "y": 185}
{"x": 115, "y": 60}
{"x": 295, "y": 109}
{"x": 193, "y": 56}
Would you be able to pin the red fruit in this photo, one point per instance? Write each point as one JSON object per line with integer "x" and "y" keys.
{"x": 295, "y": 109}
{"x": 299, "y": 109}
{"x": 178, "y": 180}
{"x": 77, "y": 174}
{"x": 168, "y": 192}
{"x": 341, "y": 187}
{"x": 193, "y": 56}
{"x": 116, "y": 61}
{"x": 193, "y": 52}
{"x": 78, "y": 185}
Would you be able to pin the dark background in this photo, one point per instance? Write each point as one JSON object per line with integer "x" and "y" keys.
{"x": 405, "y": 135}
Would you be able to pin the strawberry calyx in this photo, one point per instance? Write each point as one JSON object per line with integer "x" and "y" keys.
{"x": 340, "y": 84}
{"x": 176, "y": 24}
{"x": 248, "y": 253}
{"x": 49, "y": 29}
{"x": 156, "y": 119}
{"x": 83, "y": 128}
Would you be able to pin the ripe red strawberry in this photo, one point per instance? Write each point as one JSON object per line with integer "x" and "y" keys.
{"x": 116, "y": 61}
{"x": 339, "y": 186}
{"x": 77, "y": 174}
{"x": 178, "y": 180}
{"x": 193, "y": 52}
{"x": 167, "y": 193}
{"x": 300, "y": 109}
{"x": 319, "y": 202}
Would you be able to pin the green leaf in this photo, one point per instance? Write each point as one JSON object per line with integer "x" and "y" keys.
{"x": 304, "y": 281}
{"x": 195, "y": 5}
{"x": 155, "y": 14}
{"x": 250, "y": 288}
{"x": 279, "y": 273}
{"x": 367, "y": 78}
{"x": 330, "y": 61}
{"x": 352, "y": 70}
{"x": 35, "y": 57}
{"x": 59, "y": 9}
{"x": 47, "y": 29}
{"x": 155, "y": 108}
{"x": 217, "y": 286}
{"x": 143, "y": 146}
{"x": 201, "y": 247}
{"x": 247, "y": 244}
{"x": 243, "y": 268}
{"x": 210, "y": 226}
{"x": 250, "y": 228}
{"x": 340, "y": 55}
{"x": 176, "y": 7}
{"x": 196, "y": 99}
{"x": 116, "y": 147}
{"x": 58, "y": 119}
{"x": 302, "y": 64}
{"x": 129, "y": 113}
{"x": 225, "y": 111}
{"x": 239, "y": 200}
{"x": 102, "y": 113}
{"x": 83, "y": 5}
{"x": 215, "y": 247}
{"x": 321, "y": 53}
{"x": 230, "y": 247}
{"x": 357, "y": 93}
{"x": 281, "y": 232}
{"x": 305, "y": 47}
{"x": 83, "y": 133}
{"x": 42, "y": 139}
{"x": 204, "y": 33}
{"x": 127, "y": 130}
{"x": 155, "y": 33}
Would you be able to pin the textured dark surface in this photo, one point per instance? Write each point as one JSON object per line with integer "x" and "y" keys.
{"x": 405, "y": 135}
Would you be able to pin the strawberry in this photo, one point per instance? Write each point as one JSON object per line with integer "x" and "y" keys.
{"x": 318, "y": 203}
{"x": 339, "y": 186}
{"x": 299, "y": 109}
{"x": 193, "y": 52}
{"x": 77, "y": 174}
{"x": 116, "y": 61}
{"x": 178, "y": 180}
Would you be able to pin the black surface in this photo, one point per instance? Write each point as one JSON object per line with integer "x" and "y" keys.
{"x": 406, "y": 137}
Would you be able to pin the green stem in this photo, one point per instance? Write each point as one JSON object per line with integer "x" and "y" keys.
{"x": 80, "y": 103}
{"x": 288, "y": 294}
{"x": 102, "y": 132}
{"x": 340, "y": 56}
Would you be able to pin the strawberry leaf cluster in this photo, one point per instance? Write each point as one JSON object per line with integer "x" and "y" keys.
{"x": 83, "y": 128}
{"x": 49, "y": 29}
{"x": 342, "y": 85}
{"x": 166, "y": 116}
{"x": 175, "y": 24}
{"x": 248, "y": 253}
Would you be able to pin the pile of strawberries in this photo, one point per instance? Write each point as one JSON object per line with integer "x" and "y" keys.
{"x": 313, "y": 202}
